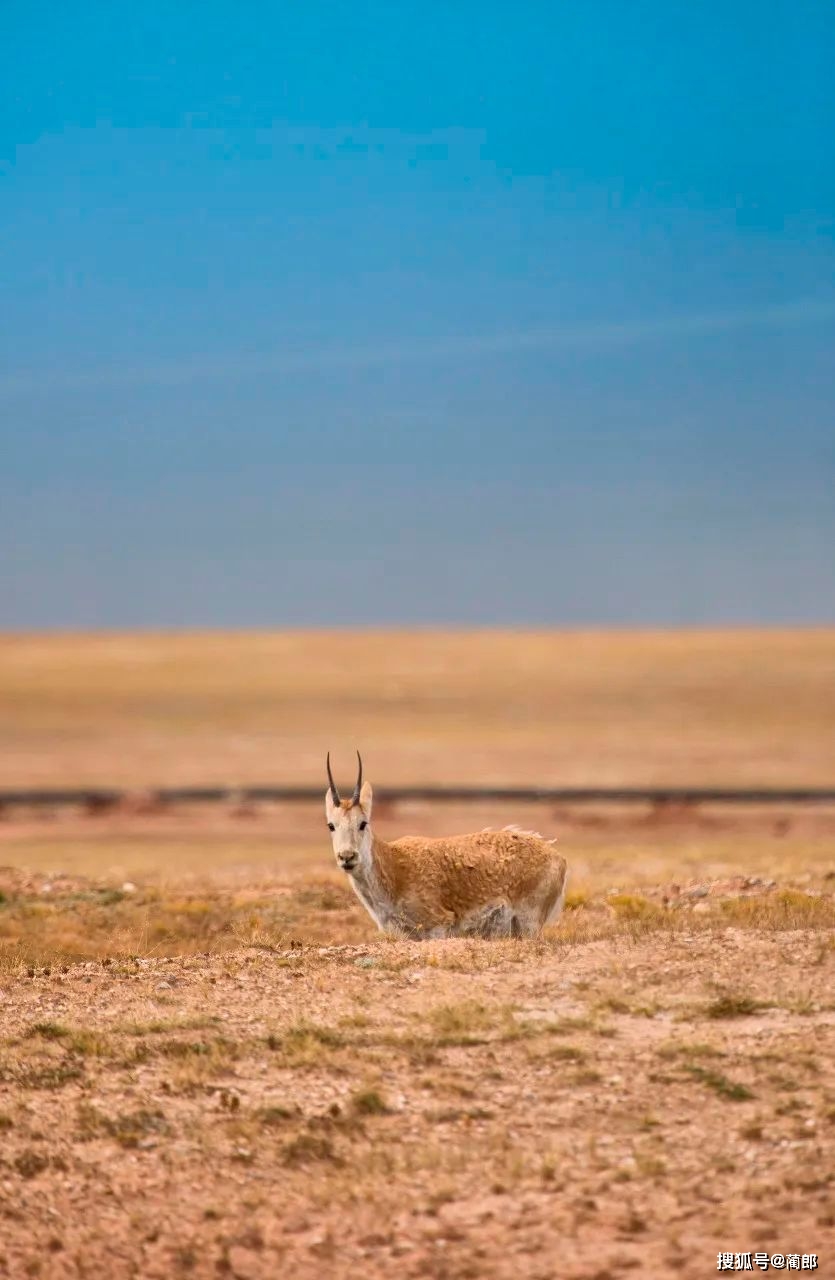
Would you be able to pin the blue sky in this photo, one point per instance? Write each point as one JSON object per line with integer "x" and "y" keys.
{"x": 378, "y": 314}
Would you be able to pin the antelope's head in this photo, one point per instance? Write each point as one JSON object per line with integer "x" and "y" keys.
{"x": 349, "y": 822}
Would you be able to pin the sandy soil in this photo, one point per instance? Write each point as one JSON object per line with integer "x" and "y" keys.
{"x": 636, "y": 1101}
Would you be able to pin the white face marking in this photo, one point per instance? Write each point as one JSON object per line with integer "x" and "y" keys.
{"x": 350, "y": 835}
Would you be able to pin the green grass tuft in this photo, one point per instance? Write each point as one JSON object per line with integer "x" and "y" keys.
{"x": 732, "y": 1090}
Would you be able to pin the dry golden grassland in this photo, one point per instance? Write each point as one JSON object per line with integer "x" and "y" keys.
{"x": 595, "y": 708}
{"x": 211, "y": 1064}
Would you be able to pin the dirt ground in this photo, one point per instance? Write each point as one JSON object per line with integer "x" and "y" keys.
{"x": 211, "y": 1064}
{"x": 637, "y": 1103}
{"x": 244, "y": 1079}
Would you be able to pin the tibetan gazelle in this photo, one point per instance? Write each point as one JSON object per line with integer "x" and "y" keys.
{"x": 491, "y": 884}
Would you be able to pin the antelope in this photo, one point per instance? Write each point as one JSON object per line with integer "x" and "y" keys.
{"x": 490, "y": 884}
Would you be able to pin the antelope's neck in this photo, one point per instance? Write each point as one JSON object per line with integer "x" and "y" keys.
{"x": 374, "y": 886}
{"x": 380, "y": 870}
{"x": 374, "y": 878}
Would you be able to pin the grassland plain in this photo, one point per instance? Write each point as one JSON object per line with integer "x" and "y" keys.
{"x": 572, "y": 708}
{"x": 211, "y": 1064}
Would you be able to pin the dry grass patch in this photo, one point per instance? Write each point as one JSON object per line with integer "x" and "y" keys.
{"x": 158, "y": 1027}
{"x": 465, "y": 1023}
{"x": 565, "y": 1053}
{"x": 688, "y": 1049}
{"x": 98, "y": 923}
{"x": 470, "y": 1023}
{"x": 75, "y": 1041}
{"x": 49, "y": 1075}
{"x": 730, "y": 1004}
{"x": 635, "y": 908}
{"x": 310, "y": 1148}
{"x": 276, "y": 1116}
{"x": 49, "y": 1031}
{"x": 731, "y": 1090}
{"x": 134, "y": 1129}
{"x": 785, "y": 909}
{"x": 369, "y": 1102}
{"x": 305, "y": 1044}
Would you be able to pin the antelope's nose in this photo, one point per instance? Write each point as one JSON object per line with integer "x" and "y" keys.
{"x": 347, "y": 861}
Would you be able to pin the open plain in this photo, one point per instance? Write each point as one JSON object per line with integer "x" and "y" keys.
{"x": 211, "y": 1064}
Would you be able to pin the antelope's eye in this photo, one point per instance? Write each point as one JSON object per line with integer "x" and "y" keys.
{"x": 331, "y": 827}
{"x": 363, "y": 825}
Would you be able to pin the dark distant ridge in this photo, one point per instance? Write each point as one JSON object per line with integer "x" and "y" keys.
{"x": 106, "y": 797}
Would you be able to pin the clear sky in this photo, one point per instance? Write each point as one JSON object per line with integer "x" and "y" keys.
{"x": 427, "y": 313}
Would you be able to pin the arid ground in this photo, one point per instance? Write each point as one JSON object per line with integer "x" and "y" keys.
{"x": 211, "y": 1064}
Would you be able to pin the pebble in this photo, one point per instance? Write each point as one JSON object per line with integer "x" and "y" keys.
{"x": 245, "y": 1263}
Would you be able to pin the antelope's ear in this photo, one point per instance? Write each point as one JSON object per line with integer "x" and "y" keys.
{"x": 330, "y": 807}
{"x": 366, "y": 797}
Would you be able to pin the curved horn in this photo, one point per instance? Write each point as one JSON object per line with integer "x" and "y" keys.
{"x": 331, "y": 782}
{"x": 355, "y": 797}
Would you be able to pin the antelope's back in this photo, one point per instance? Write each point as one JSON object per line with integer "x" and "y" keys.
{"x": 507, "y": 863}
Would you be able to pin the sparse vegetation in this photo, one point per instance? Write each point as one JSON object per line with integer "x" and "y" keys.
{"x": 225, "y": 1070}
{"x": 129, "y": 1129}
{"x": 369, "y": 1102}
{"x": 787, "y": 909}
{"x": 566, "y": 1053}
{"x": 49, "y": 1031}
{"x": 466, "y": 1023}
{"x": 689, "y": 1049}
{"x": 733, "y": 1005}
{"x": 274, "y": 1116}
{"x": 720, "y": 1084}
{"x": 309, "y": 1147}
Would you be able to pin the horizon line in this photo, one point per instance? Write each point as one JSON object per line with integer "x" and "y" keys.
{"x": 174, "y": 631}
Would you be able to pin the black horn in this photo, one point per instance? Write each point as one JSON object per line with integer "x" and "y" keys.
{"x": 331, "y": 782}
{"x": 355, "y": 797}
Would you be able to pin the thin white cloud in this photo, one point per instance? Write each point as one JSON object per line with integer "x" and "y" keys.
{"x": 286, "y": 362}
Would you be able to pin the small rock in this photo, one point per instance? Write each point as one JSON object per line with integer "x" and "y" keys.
{"x": 128, "y": 887}
{"x": 163, "y": 986}
{"x": 245, "y": 1263}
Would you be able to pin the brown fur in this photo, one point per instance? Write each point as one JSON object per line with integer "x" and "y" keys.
{"x": 445, "y": 878}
